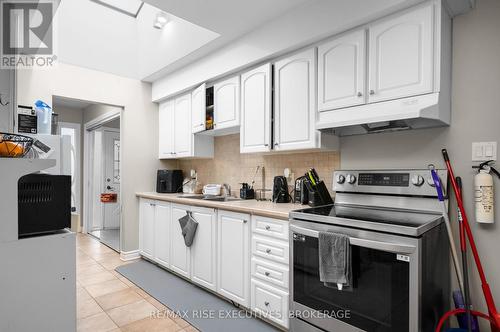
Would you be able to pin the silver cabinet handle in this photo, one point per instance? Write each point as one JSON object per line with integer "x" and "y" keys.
{"x": 268, "y": 251}
{"x": 372, "y": 92}
{"x": 276, "y": 144}
{"x": 268, "y": 227}
{"x": 267, "y": 274}
{"x": 266, "y": 144}
{"x": 215, "y": 125}
{"x": 266, "y": 304}
{"x": 360, "y": 94}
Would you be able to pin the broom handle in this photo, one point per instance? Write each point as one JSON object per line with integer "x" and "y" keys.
{"x": 486, "y": 288}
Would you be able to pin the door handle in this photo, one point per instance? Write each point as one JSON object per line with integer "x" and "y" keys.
{"x": 110, "y": 188}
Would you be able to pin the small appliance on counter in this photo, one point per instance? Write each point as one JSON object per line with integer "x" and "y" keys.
{"x": 169, "y": 181}
{"x": 317, "y": 192}
{"x": 246, "y": 192}
{"x": 212, "y": 189}
{"x": 301, "y": 193}
{"x": 44, "y": 204}
{"x": 280, "y": 190}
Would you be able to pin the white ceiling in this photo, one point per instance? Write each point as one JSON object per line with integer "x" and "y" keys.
{"x": 96, "y": 37}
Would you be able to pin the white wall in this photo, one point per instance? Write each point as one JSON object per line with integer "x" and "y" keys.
{"x": 475, "y": 118}
{"x": 298, "y": 27}
{"x": 139, "y": 125}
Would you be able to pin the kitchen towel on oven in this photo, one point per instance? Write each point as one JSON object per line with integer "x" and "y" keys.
{"x": 335, "y": 260}
{"x": 188, "y": 227}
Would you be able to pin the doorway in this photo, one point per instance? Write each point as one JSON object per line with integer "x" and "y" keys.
{"x": 104, "y": 174}
{"x": 95, "y": 164}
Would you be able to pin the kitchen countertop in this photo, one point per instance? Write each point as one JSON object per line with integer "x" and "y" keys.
{"x": 251, "y": 206}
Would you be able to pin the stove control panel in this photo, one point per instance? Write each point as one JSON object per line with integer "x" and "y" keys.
{"x": 398, "y": 182}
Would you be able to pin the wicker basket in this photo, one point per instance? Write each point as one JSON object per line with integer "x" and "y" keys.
{"x": 14, "y": 146}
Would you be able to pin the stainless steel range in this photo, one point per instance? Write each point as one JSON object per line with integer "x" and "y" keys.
{"x": 400, "y": 255}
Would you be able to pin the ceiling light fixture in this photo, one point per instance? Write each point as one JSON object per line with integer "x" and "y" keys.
{"x": 161, "y": 20}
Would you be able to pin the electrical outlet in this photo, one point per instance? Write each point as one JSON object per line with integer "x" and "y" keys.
{"x": 483, "y": 151}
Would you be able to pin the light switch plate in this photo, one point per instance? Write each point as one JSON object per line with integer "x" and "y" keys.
{"x": 483, "y": 151}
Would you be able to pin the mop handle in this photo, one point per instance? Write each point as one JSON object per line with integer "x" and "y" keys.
{"x": 486, "y": 288}
{"x": 439, "y": 190}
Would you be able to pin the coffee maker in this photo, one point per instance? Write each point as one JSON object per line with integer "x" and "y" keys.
{"x": 280, "y": 190}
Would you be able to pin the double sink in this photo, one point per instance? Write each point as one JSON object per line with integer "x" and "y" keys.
{"x": 212, "y": 198}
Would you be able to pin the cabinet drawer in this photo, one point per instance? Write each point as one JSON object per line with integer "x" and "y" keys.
{"x": 271, "y": 273}
{"x": 270, "y": 249}
{"x": 271, "y": 302}
{"x": 270, "y": 227}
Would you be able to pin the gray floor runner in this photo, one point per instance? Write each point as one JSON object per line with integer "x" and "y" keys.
{"x": 183, "y": 297}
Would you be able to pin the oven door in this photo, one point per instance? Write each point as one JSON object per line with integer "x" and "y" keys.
{"x": 384, "y": 296}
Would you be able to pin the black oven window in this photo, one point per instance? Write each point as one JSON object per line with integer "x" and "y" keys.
{"x": 379, "y": 300}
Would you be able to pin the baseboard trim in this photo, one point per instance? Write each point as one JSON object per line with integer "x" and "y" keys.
{"x": 129, "y": 255}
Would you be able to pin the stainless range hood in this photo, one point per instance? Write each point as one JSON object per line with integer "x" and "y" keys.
{"x": 424, "y": 111}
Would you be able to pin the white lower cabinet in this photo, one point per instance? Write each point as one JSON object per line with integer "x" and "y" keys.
{"x": 162, "y": 224}
{"x": 271, "y": 302}
{"x": 270, "y": 269}
{"x": 233, "y": 254}
{"x": 146, "y": 227}
{"x": 180, "y": 255}
{"x": 204, "y": 249}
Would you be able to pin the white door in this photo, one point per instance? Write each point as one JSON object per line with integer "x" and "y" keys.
{"x": 256, "y": 92}
{"x": 162, "y": 224}
{"x": 227, "y": 103}
{"x": 295, "y": 100}
{"x": 165, "y": 130}
{"x": 111, "y": 180}
{"x": 73, "y": 131}
{"x": 146, "y": 227}
{"x": 182, "y": 126}
{"x": 401, "y": 56}
{"x": 342, "y": 71}
{"x": 198, "y": 109}
{"x": 203, "y": 249}
{"x": 233, "y": 256}
{"x": 179, "y": 253}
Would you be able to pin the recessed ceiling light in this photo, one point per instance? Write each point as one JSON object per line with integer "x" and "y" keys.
{"x": 161, "y": 20}
{"x": 128, "y": 7}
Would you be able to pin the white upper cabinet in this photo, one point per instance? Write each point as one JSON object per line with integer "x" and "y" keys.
{"x": 401, "y": 55}
{"x": 182, "y": 128}
{"x": 204, "y": 248}
{"x": 256, "y": 92}
{"x": 295, "y": 102}
{"x": 165, "y": 134}
{"x": 341, "y": 71}
{"x": 227, "y": 103}
{"x": 198, "y": 109}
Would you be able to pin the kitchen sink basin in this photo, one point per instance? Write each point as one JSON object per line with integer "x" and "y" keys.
{"x": 211, "y": 198}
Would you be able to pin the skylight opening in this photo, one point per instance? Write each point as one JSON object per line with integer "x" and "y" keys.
{"x": 127, "y": 7}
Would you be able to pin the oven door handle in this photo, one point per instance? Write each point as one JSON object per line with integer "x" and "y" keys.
{"x": 372, "y": 244}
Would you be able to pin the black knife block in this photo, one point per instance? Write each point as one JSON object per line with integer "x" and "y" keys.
{"x": 318, "y": 194}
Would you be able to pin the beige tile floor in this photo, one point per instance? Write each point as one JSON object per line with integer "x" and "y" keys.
{"x": 106, "y": 301}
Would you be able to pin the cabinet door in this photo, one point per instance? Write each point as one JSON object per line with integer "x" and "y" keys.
{"x": 165, "y": 130}
{"x": 256, "y": 91}
{"x": 401, "y": 56}
{"x": 163, "y": 215}
{"x": 295, "y": 99}
{"x": 233, "y": 277}
{"x": 227, "y": 103}
{"x": 203, "y": 249}
{"x": 146, "y": 227}
{"x": 341, "y": 71}
{"x": 198, "y": 109}
{"x": 179, "y": 253}
{"x": 183, "y": 136}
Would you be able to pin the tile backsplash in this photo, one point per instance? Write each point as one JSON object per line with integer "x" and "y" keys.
{"x": 231, "y": 167}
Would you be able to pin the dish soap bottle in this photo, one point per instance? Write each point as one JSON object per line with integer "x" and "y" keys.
{"x": 44, "y": 117}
